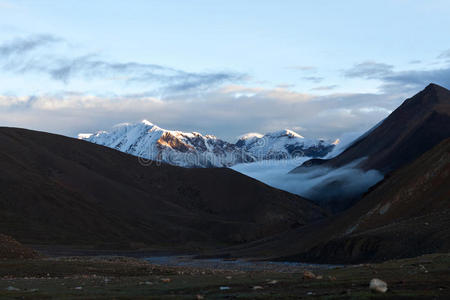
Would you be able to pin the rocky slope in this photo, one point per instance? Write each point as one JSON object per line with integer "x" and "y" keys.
{"x": 183, "y": 149}
{"x": 12, "y": 249}
{"x": 59, "y": 190}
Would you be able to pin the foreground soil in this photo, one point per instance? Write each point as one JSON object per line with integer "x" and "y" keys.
{"x": 10, "y": 249}
{"x": 425, "y": 277}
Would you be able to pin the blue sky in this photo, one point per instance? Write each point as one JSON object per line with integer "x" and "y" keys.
{"x": 322, "y": 68}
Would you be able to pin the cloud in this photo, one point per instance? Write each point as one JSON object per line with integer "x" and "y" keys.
{"x": 285, "y": 86}
{"x": 444, "y": 55}
{"x": 325, "y": 87}
{"x": 20, "y": 56}
{"x": 22, "y": 46}
{"x": 313, "y": 78}
{"x": 392, "y": 81}
{"x": 369, "y": 70}
{"x": 303, "y": 68}
{"x": 414, "y": 80}
{"x": 226, "y": 112}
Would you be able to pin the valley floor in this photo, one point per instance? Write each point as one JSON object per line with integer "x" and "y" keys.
{"x": 104, "y": 277}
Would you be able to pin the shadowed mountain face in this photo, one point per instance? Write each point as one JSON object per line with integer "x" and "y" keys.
{"x": 58, "y": 190}
{"x": 420, "y": 123}
{"x": 405, "y": 215}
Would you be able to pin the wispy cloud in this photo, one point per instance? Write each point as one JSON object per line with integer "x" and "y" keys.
{"x": 303, "y": 68}
{"x": 413, "y": 79}
{"x": 325, "y": 87}
{"x": 393, "y": 81}
{"x": 444, "y": 55}
{"x": 22, "y": 46}
{"x": 369, "y": 70}
{"x": 20, "y": 56}
{"x": 315, "y": 79}
{"x": 285, "y": 86}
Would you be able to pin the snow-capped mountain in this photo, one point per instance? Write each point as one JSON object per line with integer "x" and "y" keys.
{"x": 283, "y": 144}
{"x": 149, "y": 141}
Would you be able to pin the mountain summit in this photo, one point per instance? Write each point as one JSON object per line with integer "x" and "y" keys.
{"x": 416, "y": 126}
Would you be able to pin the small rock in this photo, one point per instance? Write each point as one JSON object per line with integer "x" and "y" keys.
{"x": 224, "y": 288}
{"x": 422, "y": 267}
{"x": 332, "y": 278}
{"x": 200, "y": 297}
{"x": 11, "y": 288}
{"x": 308, "y": 275}
{"x": 257, "y": 287}
{"x": 228, "y": 277}
{"x": 166, "y": 280}
{"x": 273, "y": 282}
{"x": 319, "y": 277}
{"x": 150, "y": 283}
{"x": 78, "y": 288}
{"x": 378, "y": 285}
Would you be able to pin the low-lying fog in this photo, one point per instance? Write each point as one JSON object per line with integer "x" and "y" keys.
{"x": 316, "y": 183}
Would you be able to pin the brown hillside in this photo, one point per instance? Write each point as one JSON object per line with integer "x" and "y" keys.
{"x": 59, "y": 190}
{"x": 12, "y": 249}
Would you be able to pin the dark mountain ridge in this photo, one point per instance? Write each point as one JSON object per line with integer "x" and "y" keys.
{"x": 59, "y": 190}
{"x": 415, "y": 127}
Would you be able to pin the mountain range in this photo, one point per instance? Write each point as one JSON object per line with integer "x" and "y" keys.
{"x": 57, "y": 190}
{"x": 193, "y": 149}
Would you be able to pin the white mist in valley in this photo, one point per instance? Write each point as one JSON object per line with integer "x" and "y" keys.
{"x": 320, "y": 184}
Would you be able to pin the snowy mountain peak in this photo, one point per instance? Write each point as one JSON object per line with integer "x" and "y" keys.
{"x": 82, "y": 136}
{"x": 250, "y": 135}
{"x": 285, "y": 132}
{"x": 148, "y": 123}
{"x": 192, "y": 149}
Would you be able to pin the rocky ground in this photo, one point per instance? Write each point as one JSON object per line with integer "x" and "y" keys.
{"x": 10, "y": 249}
{"x": 425, "y": 277}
